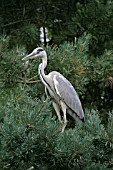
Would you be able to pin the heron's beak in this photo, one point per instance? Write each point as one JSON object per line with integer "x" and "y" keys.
{"x": 30, "y": 56}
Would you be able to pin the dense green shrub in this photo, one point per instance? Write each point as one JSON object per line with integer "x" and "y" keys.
{"x": 64, "y": 19}
{"x": 91, "y": 76}
{"x": 31, "y": 137}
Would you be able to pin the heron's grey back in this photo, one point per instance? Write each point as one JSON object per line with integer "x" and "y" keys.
{"x": 68, "y": 94}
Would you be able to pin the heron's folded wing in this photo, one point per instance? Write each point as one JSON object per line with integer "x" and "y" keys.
{"x": 67, "y": 93}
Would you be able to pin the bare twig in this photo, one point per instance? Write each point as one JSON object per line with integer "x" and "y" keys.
{"x": 21, "y": 81}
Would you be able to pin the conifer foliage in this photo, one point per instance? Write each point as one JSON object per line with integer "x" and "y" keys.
{"x": 30, "y": 133}
{"x": 31, "y": 137}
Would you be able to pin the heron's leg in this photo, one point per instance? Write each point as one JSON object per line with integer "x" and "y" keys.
{"x": 57, "y": 109}
{"x": 64, "y": 107}
{"x": 46, "y": 92}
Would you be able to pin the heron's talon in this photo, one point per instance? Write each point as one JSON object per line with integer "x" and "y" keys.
{"x": 44, "y": 101}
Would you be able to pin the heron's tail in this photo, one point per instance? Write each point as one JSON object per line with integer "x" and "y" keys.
{"x": 83, "y": 119}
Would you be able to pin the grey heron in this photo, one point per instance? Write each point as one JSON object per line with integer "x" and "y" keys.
{"x": 64, "y": 97}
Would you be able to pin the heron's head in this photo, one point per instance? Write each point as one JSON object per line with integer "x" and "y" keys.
{"x": 36, "y": 53}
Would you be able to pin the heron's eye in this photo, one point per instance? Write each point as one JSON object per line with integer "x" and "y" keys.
{"x": 39, "y": 50}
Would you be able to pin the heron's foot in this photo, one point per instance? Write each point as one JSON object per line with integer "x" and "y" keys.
{"x": 64, "y": 126}
{"x": 62, "y": 130}
{"x": 44, "y": 101}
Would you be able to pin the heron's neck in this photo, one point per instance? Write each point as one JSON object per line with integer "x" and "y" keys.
{"x": 42, "y": 66}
